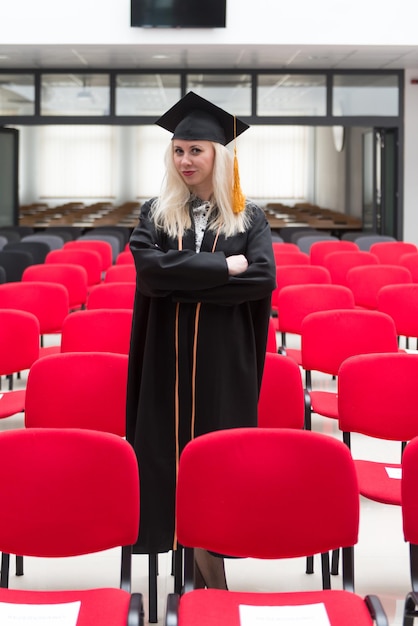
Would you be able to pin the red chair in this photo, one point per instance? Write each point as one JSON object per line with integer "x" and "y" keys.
{"x": 409, "y": 499}
{"x": 298, "y": 275}
{"x": 377, "y": 399}
{"x": 96, "y": 245}
{"x": 390, "y": 252}
{"x": 328, "y": 338}
{"x": 19, "y": 349}
{"x": 410, "y": 261}
{"x": 295, "y": 302}
{"x": 92, "y": 480}
{"x": 124, "y": 257}
{"x": 339, "y": 263}
{"x": 401, "y": 303}
{"x": 89, "y": 259}
{"x": 78, "y": 390}
{"x": 289, "y": 476}
{"x": 366, "y": 281}
{"x": 73, "y": 277}
{"x": 320, "y": 249}
{"x": 281, "y": 402}
{"x": 111, "y": 296}
{"x": 284, "y": 246}
{"x": 99, "y": 330}
{"x": 121, "y": 273}
{"x": 292, "y": 258}
{"x": 47, "y": 301}
{"x": 271, "y": 337}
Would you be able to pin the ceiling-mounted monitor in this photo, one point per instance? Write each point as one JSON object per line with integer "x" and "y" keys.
{"x": 178, "y": 13}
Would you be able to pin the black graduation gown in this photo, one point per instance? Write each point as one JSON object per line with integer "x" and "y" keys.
{"x": 209, "y": 377}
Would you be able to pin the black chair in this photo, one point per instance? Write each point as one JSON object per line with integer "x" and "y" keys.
{"x": 22, "y": 231}
{"x": 37, "y": 249}
{"x": 14, "y": 263}
{"x": 122, "y": 232}
{"x": 68, "y": 233}
{"x": 11, "y": 235}
{"x": 287, "y": 232}
{"x": 54, "y": 242}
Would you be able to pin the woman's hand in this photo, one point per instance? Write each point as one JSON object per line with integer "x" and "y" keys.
{"x": 237, "y": 264}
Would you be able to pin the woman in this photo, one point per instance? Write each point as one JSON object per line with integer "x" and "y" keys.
{"x": 205, "y": 273}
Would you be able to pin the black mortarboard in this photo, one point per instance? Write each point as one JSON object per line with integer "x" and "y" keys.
{"x": 193, "y": 117}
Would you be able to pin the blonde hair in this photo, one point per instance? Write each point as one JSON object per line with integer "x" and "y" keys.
{"x": 170, "y": 211}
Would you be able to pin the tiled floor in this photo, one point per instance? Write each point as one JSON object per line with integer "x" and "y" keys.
{"x": 381, "y": 554}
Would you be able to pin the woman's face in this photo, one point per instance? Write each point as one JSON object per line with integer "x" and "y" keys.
{"x": 194, "y": 161}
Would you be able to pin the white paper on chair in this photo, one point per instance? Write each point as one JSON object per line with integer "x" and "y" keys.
{"x": 394, "y": 472}
{"x": 64, "y": 614}
{"x": 303, "y": 615}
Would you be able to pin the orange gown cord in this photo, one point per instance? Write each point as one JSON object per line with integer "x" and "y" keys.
{"x": 177, "y": 409}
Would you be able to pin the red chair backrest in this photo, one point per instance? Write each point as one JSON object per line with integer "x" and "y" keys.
{"x": 125, "y": 257}
{"x": 295, "y": 302}
{"x": 390, "y": 252}
{"x": 271, "y": 338}
{"x": 339, "y": 263}
{"x": 78, "y": 390}
{"x": 47, "y": 301}
{"x": 73, "y": 277}
{"x": 401, "y": 303}
{"x": 281, "y": 403}
{"x": 366, "y": 281}
{"x": 89, "y": 259}
{"x": 330, "y": 337}
{"x": 112, "y": 296}
{"x": 298, "y": 275}
{"x": 121, "y": 273}
{"x": 90, "y": 477}
{"x": 98, "y": 330}
{"x": 377, "y": 395}
{"x": 102, "y": 247}
{"x": 286, "y": 474}
{"x": 19, "y": 340}
{"x": 320, "y": 249}
{"x": 409, "y": 490}
{"x": 292, "y": 258}
{"x": 410, "y": 261}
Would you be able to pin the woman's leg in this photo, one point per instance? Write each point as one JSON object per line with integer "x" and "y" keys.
{"x": 210, "y": 570}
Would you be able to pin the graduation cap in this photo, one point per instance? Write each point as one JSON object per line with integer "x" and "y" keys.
{"x": 194, "y": 118}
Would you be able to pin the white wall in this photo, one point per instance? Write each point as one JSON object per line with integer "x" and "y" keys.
{"x": 335, "y": 22}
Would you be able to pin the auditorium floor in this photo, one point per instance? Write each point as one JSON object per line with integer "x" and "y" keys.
{"x": 381, "y": 557}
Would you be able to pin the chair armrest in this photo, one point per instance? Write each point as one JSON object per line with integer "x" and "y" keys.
{"x": 172, "y": 611}
{"x": 376, "y": 610}
{"x": 136, "y": 611}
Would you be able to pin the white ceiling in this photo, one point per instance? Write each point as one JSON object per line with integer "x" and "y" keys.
{"x": 239, "y": 57}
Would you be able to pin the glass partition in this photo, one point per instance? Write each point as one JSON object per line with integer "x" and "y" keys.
{"x": 231, "y": 92}
{"x": 17, "y": 94}
{"x": 365, "y": 94}
{"x": 75, "y": 94}
{"x": 291, "y": 95}
{"x": 146, "y": 94}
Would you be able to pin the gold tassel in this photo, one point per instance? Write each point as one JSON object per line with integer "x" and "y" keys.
{"x": 238, "y": 198}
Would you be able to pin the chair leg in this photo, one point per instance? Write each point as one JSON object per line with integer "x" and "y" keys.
{"x": 152, "y": 590}
{"x": 309, "y": 565}
{"x": 178, "y": 569}
{"x": 326, "y": 579}
{"x": 19, "y": 565}
{"x": 335, "y": 562}
{"x": 5, "y": 565}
